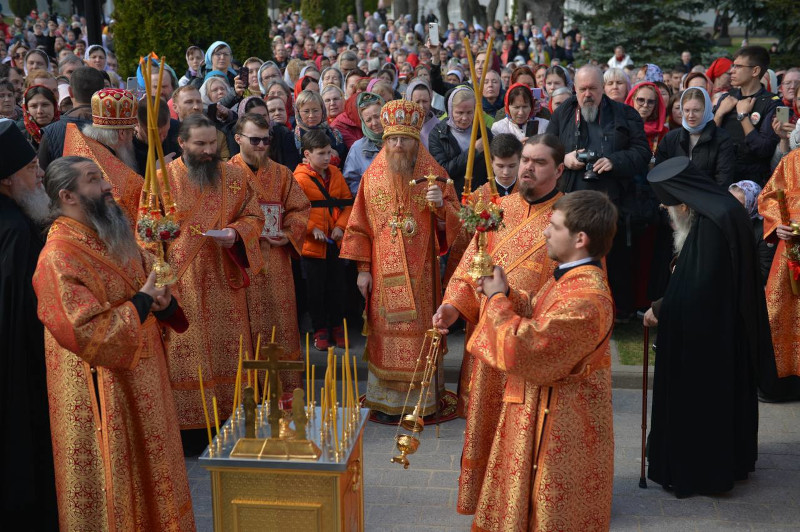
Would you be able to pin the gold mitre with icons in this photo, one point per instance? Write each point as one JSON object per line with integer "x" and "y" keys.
{"x": 401, "y": 117}
{"x": 114, "y": 109}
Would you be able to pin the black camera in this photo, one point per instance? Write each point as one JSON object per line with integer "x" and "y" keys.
{"x": 589, "y": 158}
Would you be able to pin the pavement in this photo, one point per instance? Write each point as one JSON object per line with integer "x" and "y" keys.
{"x": 423, "y": 497}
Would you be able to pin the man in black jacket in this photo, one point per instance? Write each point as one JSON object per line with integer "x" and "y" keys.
{"x": 746, "y": 114}
{"x": 606, "y": 147}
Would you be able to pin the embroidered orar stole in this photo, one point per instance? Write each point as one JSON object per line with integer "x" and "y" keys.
{"x": 126, "y": 184}
{"x": 782, "y": 305}
{"x": 400, "y": 306}
{"x": 518, "y": 248}
{"x": 116, "y": 446}
{"x": 551, "y": 463}
{"x": 211, "y": 287}
{"x": 271, "y": 296}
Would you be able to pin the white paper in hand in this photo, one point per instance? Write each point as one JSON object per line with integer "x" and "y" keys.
{"x": 216, "y": 233}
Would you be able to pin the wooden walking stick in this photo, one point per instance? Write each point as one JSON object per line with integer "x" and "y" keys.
{"x": 645, "y": 362}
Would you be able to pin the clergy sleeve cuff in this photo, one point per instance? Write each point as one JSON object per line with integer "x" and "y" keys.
{"x": 142, "y": 302}
{"x": 166, "y": 314}
{"x": 173, "y": 317}
{"x": 364, "y": 266}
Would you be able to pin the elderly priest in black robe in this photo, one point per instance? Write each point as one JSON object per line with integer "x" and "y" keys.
{"x": 27, "y": 492}
{"x": 712, "y": 327}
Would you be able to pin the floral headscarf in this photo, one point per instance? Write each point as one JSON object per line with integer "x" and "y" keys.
{"x": 751, "y": 191}
{"x": 364, "y": 100}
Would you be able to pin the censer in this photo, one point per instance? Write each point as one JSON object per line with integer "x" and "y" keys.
{"x": 413, "y": 422}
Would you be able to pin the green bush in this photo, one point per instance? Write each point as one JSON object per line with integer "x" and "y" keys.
{"x": 21, "y": 8}
{"x": 168, "y": 28}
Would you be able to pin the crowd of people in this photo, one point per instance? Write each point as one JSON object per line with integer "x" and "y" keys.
{"x": 299, "y": 166}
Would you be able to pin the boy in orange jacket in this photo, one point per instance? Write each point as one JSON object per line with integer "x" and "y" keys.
{"x": 323, "y": 270}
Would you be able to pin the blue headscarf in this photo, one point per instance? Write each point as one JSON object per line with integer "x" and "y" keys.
{"x": 708, "y": 113}
{"x": 210, "y": 51}
{"x": 155, "y": 66}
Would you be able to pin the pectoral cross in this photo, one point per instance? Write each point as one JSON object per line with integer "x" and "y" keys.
{"x": 270, "y": 360}
{"x": 395, "y": 223}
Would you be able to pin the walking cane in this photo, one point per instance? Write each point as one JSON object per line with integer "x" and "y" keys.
{"x": 645, "y": 362}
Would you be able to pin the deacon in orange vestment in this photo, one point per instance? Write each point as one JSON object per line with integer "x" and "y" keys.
{"x": 212, "y": 272}
{"x": 108, "y": 141}
{"x": 271, "y": 296}
{"x": 117, "y": 451}
{"x": 782, "y": 305}
{"x": 389, "y": 235}
{"x": 551, "y": 461}
{"x": 519, "y": 249}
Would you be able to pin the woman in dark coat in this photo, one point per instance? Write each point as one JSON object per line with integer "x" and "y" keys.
{"x": 708, "y": 146}
{"x": 449, "y": 140}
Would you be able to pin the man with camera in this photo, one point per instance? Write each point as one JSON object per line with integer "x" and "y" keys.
{"x": 606, "y": 147}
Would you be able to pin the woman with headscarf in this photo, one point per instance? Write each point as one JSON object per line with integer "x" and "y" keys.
{"x": 95, "y": 57}
{"x": 333, "y": 98}
{"x": 646, "y": 99}
{"x": 419, "y": 91}
{"x": 708, "y": 146}
{"x": 214, "y": 89}
{"x": 305, "y": 83}
{"x": 309, "y": 112}
{"x": 449, "y": 141}
{"x": 493, "y": 96}
{"x": 348, "y": 123}
{"x": 36, "y": 60}
{"x": 194, "y": 65}
{"x": 747, "y": 193}
{"x": 331, "y": 76}
{"x": 39, "y": 109}
{"x": 267, "y": 73}
{"x": 559, "y": 96}
{"x": 367, "y": 147}
{"x": 520, "y": 119}
{"x": 219, "y": 57}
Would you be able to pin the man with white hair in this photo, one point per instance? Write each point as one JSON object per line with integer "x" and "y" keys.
{"x": 108, "y": 141}
{"x": 28, "y": 456}
{"x": 606, "y": 147}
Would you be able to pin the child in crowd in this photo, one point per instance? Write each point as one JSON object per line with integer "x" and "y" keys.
{"x": 323, "y": 270}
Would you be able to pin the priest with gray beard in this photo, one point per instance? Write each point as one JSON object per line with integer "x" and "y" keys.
{"x": 712, "y": 329}
{"x": 27, "y": 457}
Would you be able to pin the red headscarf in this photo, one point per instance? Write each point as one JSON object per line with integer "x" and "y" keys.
{"x": 654, "y": 129}
{"x": 718, "y": 67}
{"x": 31, "y": 126}
{"x": 298, "y": 87}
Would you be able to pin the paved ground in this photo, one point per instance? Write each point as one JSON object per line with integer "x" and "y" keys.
{"x": 423, "y": 497}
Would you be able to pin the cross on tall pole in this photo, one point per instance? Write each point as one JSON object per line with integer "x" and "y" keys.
{"x": 269, "y": 356}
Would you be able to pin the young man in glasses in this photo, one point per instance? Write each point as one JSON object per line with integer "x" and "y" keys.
{"x": 746, "y": 113}
{"x": 271, "y": 294}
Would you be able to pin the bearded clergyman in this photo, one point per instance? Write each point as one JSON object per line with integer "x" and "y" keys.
{"x": 712, "y": 327}
{"x": 389, "y": 236}
{"x": 116, "y": 445}
{"x": 213, "y": 258}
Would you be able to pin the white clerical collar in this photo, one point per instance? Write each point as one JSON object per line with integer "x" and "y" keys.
{"x": 574, "y": 263}
{"x": 504, "y": 186}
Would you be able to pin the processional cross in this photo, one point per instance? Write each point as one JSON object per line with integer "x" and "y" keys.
{"x": 270, "y": 360}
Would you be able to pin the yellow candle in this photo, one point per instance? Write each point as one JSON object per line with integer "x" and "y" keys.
{"x": 355, "y": 375}
{"x": 333, "y": 413}
{"x": 344, "y": 384}
{"x": 313, "y": 382}
{"x": 266, "y": 388}
{"x": 216, "y": 413}
{"x": 205, "y": 407}
{"x": 258, "y": 345}
{"x": 237, "y": 385}
{"x": 346, "y": 340}
{"x": 308, "y": 369}
{"x": 273, "y": 335}
{"x": 255, "y": 371}
{"x": 249, "y": 371}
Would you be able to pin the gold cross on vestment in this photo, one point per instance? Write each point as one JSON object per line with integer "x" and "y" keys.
{"x": 235, "y": 187}
{"x": 195, "y": 230}
{"x": 269, "y": 356}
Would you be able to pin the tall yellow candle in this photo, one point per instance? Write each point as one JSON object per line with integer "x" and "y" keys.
{"x": 355, "y": 375}
{"x": 313, "y": 382}
{"x": 216, "y": 413}
{"x": 238, "y": 374}
{"x": 346, "y": 340}
{"x": 308, "y": 370}
{"x": 272, "y": 340}
{"x": 205, "y": 406}
{"x": 266, "y": 389}
{"x": 333, "y": 413}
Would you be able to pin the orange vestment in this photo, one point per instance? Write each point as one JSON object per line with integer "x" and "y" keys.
{"x": 211, "y": 287}
{"x": 551, "y": 464}
{"x": 270, "y": 296}
{"x": 519, "y": 247}
{"x": 782, "y": 305}
{"x": 400, "y": 306}
{"x": 119, "y": 462}
{"x": 126, "y": 184}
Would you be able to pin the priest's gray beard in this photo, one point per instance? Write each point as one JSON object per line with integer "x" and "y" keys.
{"x": 203, "y": 169}
{"x": 681, "y": 224}
{"x": 126, "y": 154}
{"x": 112, "y": 226}
{"x": 401, "y": 162}
{"x": 34, "y": 203}
{"x": 589, "y": 112}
